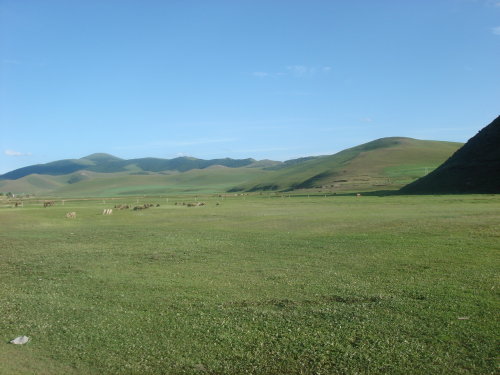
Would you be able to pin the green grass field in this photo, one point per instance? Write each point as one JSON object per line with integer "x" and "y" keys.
{"x": 263, "y": 284}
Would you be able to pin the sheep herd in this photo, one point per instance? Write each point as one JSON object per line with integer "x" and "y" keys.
{"x": 109, "y": 211}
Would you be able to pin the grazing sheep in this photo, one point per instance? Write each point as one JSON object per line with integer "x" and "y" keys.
{"x": 197, "y": 204}
{"x": 71, "y": 215}
{"x": 144, "y": 206}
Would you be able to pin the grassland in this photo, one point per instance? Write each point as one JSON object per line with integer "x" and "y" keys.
{"x": 264, "y": 284}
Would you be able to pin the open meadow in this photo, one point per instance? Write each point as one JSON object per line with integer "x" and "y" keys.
{"x": 252, "y": 284}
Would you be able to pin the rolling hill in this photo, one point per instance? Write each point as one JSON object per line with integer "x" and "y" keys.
{"x": 386, "y": 163}
{"x": 104, "y": 175}
{"x": 196, "y": 181}
{"x": 383, "y": 164}
{"x": 474, "y": 168}
{"x": 106, "y": 163}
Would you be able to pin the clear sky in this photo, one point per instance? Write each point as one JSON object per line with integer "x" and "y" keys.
{"x": 268, "y": 79}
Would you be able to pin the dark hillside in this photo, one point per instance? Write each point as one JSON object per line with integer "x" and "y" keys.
{"x": 474, "y": 168}
{"x": 105, "y": 163}
{"x": 55, "y": 168}
{"x": 102, "y": 158}
{"x": 184, "y": 164}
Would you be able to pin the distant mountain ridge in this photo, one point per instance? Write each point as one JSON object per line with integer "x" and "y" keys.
{"x": 106, "y": 163}
{"x": 474, "y": 168}
{"x": 382, "y": 164}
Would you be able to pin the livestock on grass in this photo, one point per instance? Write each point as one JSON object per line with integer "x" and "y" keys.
{"x": 145, "y": 206}
{"x": 196, "y": 204}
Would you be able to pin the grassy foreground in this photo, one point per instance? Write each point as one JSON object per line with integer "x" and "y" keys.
{"x": 255, "y": 285}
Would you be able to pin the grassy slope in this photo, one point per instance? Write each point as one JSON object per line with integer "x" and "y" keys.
{"x": 255, "y": 285}
{"x": 210, "y": 180}
{"x": 34, "y": 184}
{"x": 393, "y": 161}
{"x": 388, "y": 162}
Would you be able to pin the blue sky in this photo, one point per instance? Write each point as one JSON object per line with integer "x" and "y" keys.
{"x": 268, "y": 79}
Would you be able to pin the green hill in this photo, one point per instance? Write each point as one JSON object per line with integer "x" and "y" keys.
{"x": 33, "y": 184}
{"x": 383, "y": 164}
{"x": 55, "y": 168}
{"x": 202, "y": 181}
{"x": 474, "y": 168}
{"x": 105, "y": 163}
{"x": 100, "y": 158}
{"x": 386, "y": 163}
